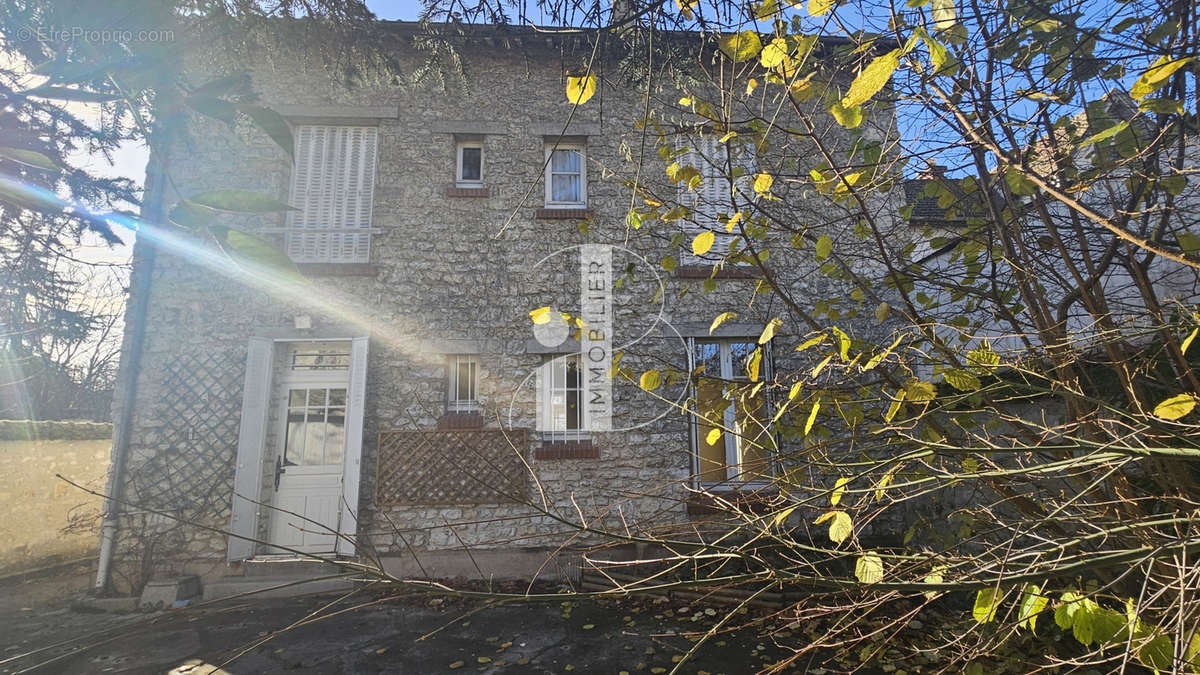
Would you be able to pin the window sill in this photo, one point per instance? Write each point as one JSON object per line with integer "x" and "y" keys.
{"x": 567, "y": 450}
{"x": 461, "y": 191}
{"x": 715, "y": 272}
{"x": 337, "y": 269}
{"x": 460, "y": 420}
{"x": 564, "y": 214}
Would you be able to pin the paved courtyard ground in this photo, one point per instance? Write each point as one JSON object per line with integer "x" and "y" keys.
{"x": 40, "y": 631}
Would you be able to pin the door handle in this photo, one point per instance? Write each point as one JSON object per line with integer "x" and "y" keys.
{"x": 279, "y": 470}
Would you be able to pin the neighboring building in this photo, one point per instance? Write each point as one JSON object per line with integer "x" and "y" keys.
{"x": 405, "y": 404}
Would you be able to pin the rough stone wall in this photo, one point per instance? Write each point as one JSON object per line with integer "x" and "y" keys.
{"x": 463, "y": 269}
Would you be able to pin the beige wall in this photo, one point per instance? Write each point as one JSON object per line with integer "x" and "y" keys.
{"x": 37, "y": 507}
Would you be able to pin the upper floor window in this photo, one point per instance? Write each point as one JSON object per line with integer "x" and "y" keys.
{"x": 333, "y": 186}
{"x": 566, "y": 176}
{"x": 469, "y": 165}
{"x": 462, "y": 387}
{"x": 724, "y": 189}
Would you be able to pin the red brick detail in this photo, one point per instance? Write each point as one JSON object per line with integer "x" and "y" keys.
{"x": 460, "y": 420}
{"x": 563, "y": 214}
{"x": 569, "y": 450}
{"x": 714, "y": 272}
{"x": 455, "y": 191}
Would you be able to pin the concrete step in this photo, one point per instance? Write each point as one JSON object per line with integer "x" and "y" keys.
{"x": 290, "y": 567}
{"x": 280, "y": 586}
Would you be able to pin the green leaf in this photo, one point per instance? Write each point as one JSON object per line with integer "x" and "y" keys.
{"x": 774, "y": 53}
{"x": 29, "y": 158}
{"x": 919, "y": 392}
{"x": 191, "y": 216}
{"x": 1081, "y": 624}
{"x": 839, "y": 488}
{"x": 669, "y": 263}
{"x": 944, "y": 16}
{"x": 251, "y": 249}
{"x": 872, "y": 78}
{"x": 703, "y": 242}
{"x": 820, "y": 7}
{"x": 1175, "y": 407}
{"x": 1174, "y": 185}
{"x": 1161, "y": 106}
{"x": 1018, "y": 183}
{"x": 850, "y": 118}
{"x": 272, "y": 124}
{"x": 882, "y": 312}
{"x": 216, "y": 108}
{"x": 1158, "y": 653}
{"x": 1189, "y": 242}
{"x": 650, "y": 380}
{"x": 1032, "y": 603}
{"x": 768, "y": 332}
{"x": 1106, "y": 134}
{"x": 808, "y": 424}
{"x": 1064, "y": 614}
{"x": 239, "y": 201}
{"x": 983, "y": 359}
{"x": 721, "y": 318}
{"x": 962, "y": 380}
{"x": 1156, "y": 75}
{"x": 869, "y": 569}
{"x": 741, "y": 46}
{"x": 987, "y": 601}
{"x": 824, "y": 247}
{"x": 67, "y": 94}
{"x": 581, "y": 89}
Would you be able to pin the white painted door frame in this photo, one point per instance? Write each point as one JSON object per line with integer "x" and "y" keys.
{"x": 249, "y": 471}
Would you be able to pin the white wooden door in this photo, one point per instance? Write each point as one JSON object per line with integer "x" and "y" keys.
{"x": 307, "y": 500}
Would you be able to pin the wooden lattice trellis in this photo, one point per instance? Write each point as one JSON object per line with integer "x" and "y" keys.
{"x": 192, "y": 455}
{"x": 451, "y": 466}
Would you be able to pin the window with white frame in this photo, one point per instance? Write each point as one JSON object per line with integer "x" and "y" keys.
{"x": 731, "y": 440}
{"x": 333, "y": 185}
{"x": 723, "y": 189}
{"x": 469, "y": 164}
{"x": 561, "y": 390}
{"x": 462, "y": 386}
{"x": 566, "y": 176}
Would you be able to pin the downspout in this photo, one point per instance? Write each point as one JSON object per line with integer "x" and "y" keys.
{"x": 130, "y": 367}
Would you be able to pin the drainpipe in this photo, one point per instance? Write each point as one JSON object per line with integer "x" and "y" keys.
{"x": 130, "y": 366}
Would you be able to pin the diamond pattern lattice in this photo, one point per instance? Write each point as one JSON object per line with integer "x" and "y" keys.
{"x": 451, "y": 466}
{"x": 190, "y": 469}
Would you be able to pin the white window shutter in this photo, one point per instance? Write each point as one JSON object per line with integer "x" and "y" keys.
{"x": 352, "y": 458}
{"x": 333, "y": 185}
{"x": 248, "y": 472}
{"x": 710, "y": 200}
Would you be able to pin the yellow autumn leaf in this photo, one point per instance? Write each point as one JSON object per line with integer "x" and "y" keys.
{"x": 733, "y": 221}
{"x": 819, "y": 7}
{"x": 580, "y": 89}
{"x": 1175, "y": 407}
{"x": 812, "y": 417}
{"x": 763, "y": 183}
{"x": 769, "y": 331}
{"x": 540, "y": 316}
{"x": 774, "y": 53}
{"x": 703, "y": 242}
{"x": 869, "y": 569}
{"x": 713, "y": 436}
{"x": 850, "y": 118}
{"x": 839, "y": 488}
{"x": 872, "y": 79}
{"x": 840, "y": 527}
{"x": 782, "y": 516}
{"x": 741, "y": 46}
{"x": 650, "y": 380}
{"x": 721, "y": 318}
{"x": 1156, "y": 75}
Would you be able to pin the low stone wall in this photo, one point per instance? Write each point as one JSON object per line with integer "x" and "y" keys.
{"x": 46, "y": 520}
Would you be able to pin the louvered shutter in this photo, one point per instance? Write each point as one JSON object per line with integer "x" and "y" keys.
{"x": 333, "y": 186}
{"x": 711, "y": 202}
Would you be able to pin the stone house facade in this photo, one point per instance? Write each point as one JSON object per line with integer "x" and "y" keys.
{"x": 416, "y": 398}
